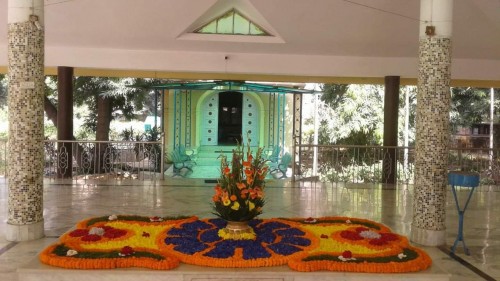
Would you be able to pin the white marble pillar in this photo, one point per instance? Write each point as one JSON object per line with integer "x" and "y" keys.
{"x": 25, "y": 101}
{"x": 432, "y": 128}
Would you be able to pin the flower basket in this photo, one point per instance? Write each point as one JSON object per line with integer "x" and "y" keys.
{"x": 239, "y": 193}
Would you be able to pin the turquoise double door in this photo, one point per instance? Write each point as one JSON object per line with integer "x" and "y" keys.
{"x": 248, "y": 127}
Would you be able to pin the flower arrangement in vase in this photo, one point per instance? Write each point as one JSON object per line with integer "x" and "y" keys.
{"x": 239, "y": 193}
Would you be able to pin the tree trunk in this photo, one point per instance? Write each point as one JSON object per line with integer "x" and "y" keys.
{"x": 104, "y": 110}
{"x": 50, "y": 110}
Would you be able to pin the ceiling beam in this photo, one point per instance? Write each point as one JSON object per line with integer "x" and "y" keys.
{"x": 256, "y": 77}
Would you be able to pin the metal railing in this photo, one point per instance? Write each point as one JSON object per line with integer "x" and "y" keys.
{"x": 125, "y": 160}
{"x": 369, "y": 164}
{"x": 98, "y": 160}
{"x": 104, "y": 160}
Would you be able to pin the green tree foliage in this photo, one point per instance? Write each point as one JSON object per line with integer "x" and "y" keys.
{"x": 334, "y": 95}
{"x": 111, "y": 97}
{"x": 351, "y": 114}
{"x": 107, "y": 98}
{"x": 88, "y": 91}
{"x": 343, "y": 109}
{"x": 469, "y": 106}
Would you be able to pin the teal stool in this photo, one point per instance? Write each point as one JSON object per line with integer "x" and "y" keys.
{"x": 464, "y": 179}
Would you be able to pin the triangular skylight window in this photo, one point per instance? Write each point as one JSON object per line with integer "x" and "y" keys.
{"x": 232, "y": 23}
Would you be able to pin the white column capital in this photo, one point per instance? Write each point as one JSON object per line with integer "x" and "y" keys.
{"x": 437, "y": 13}
{"x": 20, "y": 10}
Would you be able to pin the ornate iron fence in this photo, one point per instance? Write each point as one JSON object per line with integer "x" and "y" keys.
{"x": 104, "y": 160}
{"x": 124, "y": 160}
{"x": 91, "y": 161}
{"x": 369, "y": 164}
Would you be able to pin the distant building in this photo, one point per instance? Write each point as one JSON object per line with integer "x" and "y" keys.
{"x": 477, "y": 136}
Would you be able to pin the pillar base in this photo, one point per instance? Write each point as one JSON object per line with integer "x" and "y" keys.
{"x": 25, "y": 232}
{"x": 426, "y": 237}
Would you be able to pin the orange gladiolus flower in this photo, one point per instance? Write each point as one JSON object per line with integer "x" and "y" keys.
{"x": 249, "y": 180}
{"x": 227, "y": 170}
{"x": 248, "y": 172}
{"x": 218, "y": 190}
{"x": 253, "y": 194}
{"x": 258, "y": 192}
{"x": 233, "y": 197}
{"x": 215, "y": 198}
{"x": 262, "y": 172}
{"x": 240, "y": 185}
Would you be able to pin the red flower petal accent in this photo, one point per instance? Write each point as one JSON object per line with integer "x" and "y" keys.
{"x": 385, "y": 238}
{"x": 114, "y": 233}
{"x": 145, "y": 234}
{"x": 324, "y": 236}
{"x": 347, "y": 254}
{"x": 361, "y": 229}
{"x": 91, "y": 237}
{"x": 350, "y": 235}
{"x": 378, "y": 242}
{"x": 389, "y": 236}
{"x": 127, "y": 251}
{"x": 78, "y": 233}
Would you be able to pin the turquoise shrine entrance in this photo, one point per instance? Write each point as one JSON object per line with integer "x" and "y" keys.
{"x": 208, "y": 117}
{"x": 229, "y": 118}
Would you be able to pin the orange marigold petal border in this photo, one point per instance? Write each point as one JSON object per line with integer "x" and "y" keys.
{"x": 48, "y": 256}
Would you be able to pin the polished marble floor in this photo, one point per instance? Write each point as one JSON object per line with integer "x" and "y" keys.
{"x": 67, "y": 203}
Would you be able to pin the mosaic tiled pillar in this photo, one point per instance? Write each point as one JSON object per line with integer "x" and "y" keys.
{"x": 432, "y": 127}
{"x": 25, "y": 101}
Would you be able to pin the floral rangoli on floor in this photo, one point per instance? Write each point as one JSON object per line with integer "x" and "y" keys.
{"x": 327, "y": 243}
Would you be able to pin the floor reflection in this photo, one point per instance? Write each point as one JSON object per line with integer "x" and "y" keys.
{"x": 64, "y": 205}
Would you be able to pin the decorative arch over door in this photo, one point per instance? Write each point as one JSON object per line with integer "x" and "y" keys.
{"x": 209, "y": 119}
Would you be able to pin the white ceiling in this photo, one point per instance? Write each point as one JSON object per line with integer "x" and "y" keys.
{"x": 319, "y": 37}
